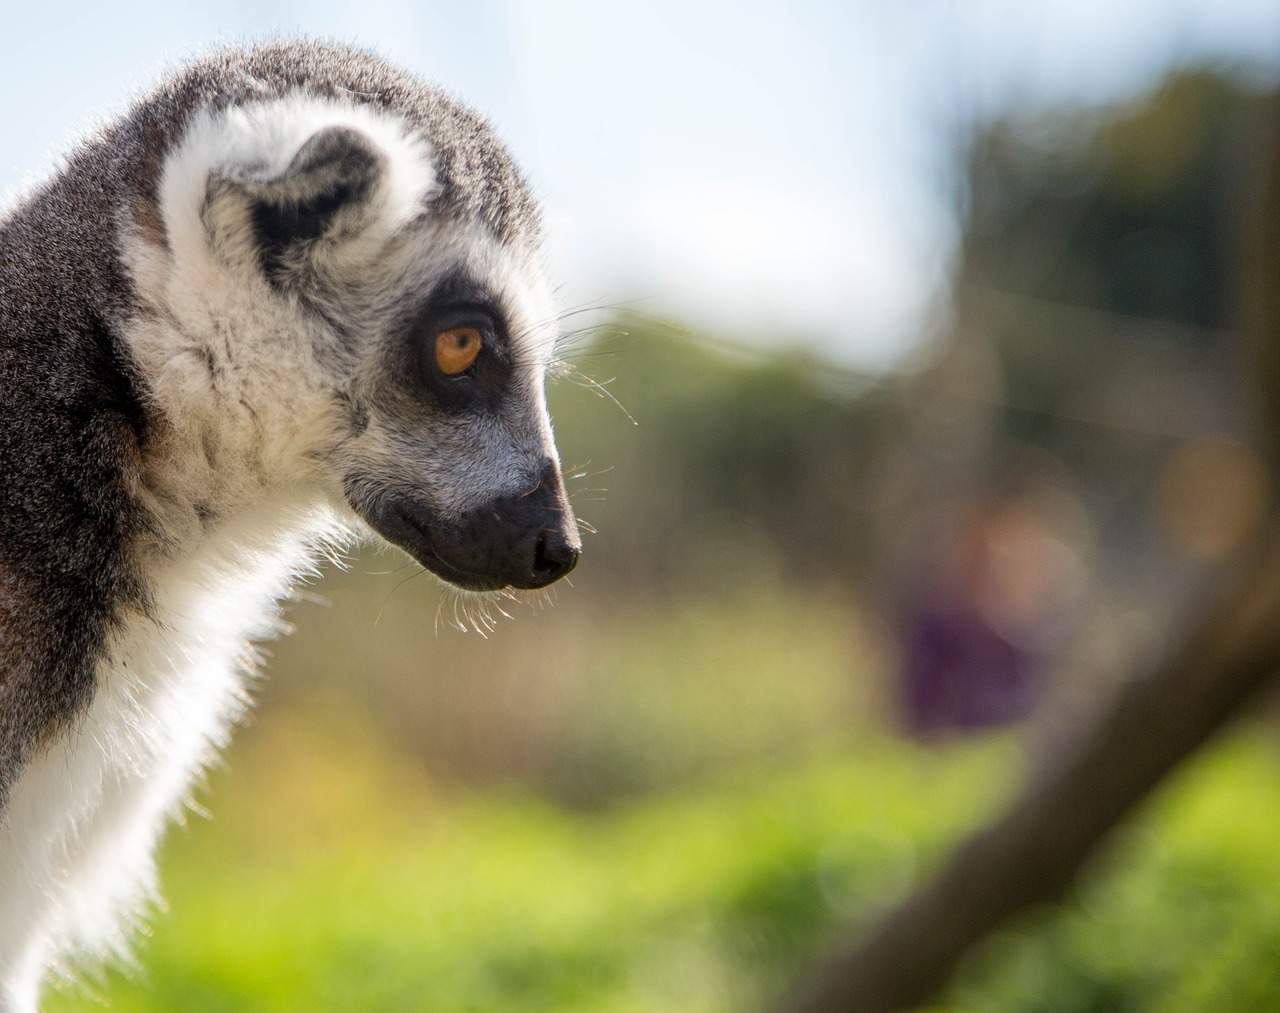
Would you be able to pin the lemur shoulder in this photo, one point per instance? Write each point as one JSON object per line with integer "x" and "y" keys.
{"x": 291, "y": 295}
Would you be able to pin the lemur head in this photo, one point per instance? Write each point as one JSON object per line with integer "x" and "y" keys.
{"x": 346, "y": 289}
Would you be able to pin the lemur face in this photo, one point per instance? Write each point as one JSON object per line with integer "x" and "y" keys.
{"x": 397, "y": 340}
{"x": 450, "y": 453}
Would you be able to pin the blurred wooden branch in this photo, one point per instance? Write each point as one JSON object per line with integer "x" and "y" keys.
{"x": 1032, "y": 855}
{"x": 1260, "y": 290}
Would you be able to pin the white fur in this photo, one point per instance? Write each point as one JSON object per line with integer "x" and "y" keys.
{"x": 76, "y": 866}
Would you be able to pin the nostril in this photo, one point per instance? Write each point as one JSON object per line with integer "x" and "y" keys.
{"x": 553, "y": 557}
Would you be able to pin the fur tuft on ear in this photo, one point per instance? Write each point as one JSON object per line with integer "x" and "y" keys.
{"x": 290, "y": 191}
{"x": 329, "y": 189}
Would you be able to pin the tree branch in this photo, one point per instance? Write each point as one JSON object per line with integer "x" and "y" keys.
{"x": 1031, "y": 856}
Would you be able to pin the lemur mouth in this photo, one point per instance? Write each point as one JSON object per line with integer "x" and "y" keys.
{"x": 421, "y": 547}
{"x": 524, "y": 542}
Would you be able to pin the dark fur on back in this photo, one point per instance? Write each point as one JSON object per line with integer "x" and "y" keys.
{"x": 75, "y": 416}
{"x": 73, "y": 427}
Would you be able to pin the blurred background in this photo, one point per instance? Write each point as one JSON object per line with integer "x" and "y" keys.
{"x": 904, "y": 386}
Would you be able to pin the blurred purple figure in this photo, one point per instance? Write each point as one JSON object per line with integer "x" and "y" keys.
{"x": 978, "y": 644}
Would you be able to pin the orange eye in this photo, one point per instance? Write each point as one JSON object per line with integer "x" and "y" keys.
{"x": 456, "y": 349}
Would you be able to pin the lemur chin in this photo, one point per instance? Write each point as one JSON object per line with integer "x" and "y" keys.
{"x": 290, "y": 296}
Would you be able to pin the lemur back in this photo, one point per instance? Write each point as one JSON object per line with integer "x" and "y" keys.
{"x": 292, "y": 296}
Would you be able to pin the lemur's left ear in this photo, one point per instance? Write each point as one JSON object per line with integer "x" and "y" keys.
{"x": 329, "y": 189}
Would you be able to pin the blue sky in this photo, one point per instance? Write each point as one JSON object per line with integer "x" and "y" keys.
{"x": 761, "y": 169}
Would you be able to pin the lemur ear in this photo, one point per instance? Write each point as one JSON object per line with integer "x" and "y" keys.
{"x": 329, "y": 189}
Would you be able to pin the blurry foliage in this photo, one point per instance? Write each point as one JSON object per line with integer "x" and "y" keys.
{"x": 1135, "y": 212}
{"x": 1096, "y": 336}
{"x": 1182, "y": 916}
{"x": 1101, "y": 258}
{"x": 755, "y": 455}
{"x": 388, "y": 896}
{"x": 590, "y": 701}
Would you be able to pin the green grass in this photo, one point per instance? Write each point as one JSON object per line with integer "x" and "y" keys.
{"x": 711, "y": 899}
{"x": 695, "y": 901}
{"x": 1182, "y": 914}
{"x": 742, "y": 815}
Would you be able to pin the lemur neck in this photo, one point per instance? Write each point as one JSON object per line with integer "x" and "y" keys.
{"x": 238, "y": 429}
{"x": 203, "y": 482}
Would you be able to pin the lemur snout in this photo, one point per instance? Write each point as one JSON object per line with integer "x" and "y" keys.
{"x": 532, "y": 538}
{"x": 524, "y": 541}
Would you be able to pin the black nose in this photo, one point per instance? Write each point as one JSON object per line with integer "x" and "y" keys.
{"x": 544, "y": 511}
{"x": 553, "y": 557}
{"x": 527, "y": 540}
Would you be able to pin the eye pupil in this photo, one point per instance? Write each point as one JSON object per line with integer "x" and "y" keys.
{"x": 456, "y": 349}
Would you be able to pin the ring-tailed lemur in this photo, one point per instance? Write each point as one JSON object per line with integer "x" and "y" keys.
{"x": 290, "y": 293}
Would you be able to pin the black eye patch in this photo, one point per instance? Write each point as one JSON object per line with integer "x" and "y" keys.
{"x": 458, "y": 301}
